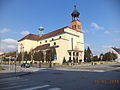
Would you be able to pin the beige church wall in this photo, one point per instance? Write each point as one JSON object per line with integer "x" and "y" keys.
{"x": 28, "y": 45}
{"x": 62, "y": 50}
{"x": 59, "y": 42}
{"x": 78, "y": 42}
{"x": 49, "y": 40}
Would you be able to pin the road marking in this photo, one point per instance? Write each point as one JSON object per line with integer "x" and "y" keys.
{"x": 10, "y": 87}
{"x": 54, "y": 89}
{"x": 21, "y": 83}
{"x": 37, "y": 87}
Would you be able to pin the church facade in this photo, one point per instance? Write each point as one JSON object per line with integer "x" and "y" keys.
{"x": 68, "y": 41}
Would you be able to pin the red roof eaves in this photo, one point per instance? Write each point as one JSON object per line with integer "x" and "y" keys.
{"x": 36, "y": 37}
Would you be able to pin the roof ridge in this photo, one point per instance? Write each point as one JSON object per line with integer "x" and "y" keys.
{"x": 37, "y": 37}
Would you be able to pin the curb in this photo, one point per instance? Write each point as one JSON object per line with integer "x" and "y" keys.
{"x": 27, "y": 73}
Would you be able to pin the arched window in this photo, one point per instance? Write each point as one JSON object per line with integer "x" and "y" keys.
{"x": 45, "y": 40}
{"x": 52, "y": 39}
{"x": 75, "y": 26}
{"x": 40, "y": 42}
{"x": 60, "y": 37}
{"x": 54, "y": 43}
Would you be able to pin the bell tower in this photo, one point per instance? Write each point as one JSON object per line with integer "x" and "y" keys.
{"x": 76, "y": 24}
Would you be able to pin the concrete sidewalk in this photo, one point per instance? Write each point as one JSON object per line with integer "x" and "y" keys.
{"x": 93, "y": 68}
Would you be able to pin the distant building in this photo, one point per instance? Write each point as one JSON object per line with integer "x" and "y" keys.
{"x": 68, "y": 41}
{"x": 1, "y": 55}
{"x": 116, "y": 51}
{"x": 1, "y": 52}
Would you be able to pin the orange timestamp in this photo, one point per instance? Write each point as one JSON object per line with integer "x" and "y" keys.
{"x": 106, "y": 81}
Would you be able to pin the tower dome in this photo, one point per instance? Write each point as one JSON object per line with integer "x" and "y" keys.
{"x": 75, "y": 14}
{"x": 76, "y": 24}
{"x": 41, "y": 29}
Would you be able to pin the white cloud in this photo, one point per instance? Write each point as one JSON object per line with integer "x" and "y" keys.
{"x": 25, "y": 32}
{"x": 8, "y": 44}
{"x": 96, "y": 26}
{"x": 4, "y": 30}
{"x": 9, "y": 41}
{"x": 107, "y": 32}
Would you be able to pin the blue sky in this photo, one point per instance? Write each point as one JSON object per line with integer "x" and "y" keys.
{"x": 100, "y": 19}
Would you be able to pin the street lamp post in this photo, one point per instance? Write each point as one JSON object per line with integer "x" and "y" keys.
{"x": 15, "y": 60}
{"x": 9, "y": 62}
{"x": 22, "y": 51}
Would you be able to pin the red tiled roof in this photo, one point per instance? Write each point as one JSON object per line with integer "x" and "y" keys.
{"x": 53, "y": 33}
{"x": 117, "y": 50}
{"x": 31, "y": 37}
{"x": 41, "y": 47}
{"x": 45, "y": 46}
{"x": 36, "y": 37}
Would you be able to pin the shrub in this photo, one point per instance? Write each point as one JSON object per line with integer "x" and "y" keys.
{"x": 1, "y": 68}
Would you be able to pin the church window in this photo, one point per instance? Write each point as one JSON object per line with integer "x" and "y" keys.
{"x": 59, "y": 37}
{"x": 54, "y": 43}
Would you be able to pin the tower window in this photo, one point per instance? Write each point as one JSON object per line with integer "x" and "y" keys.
{"x": 60, "y": 37}
{"x": 54, "y": 43}
{"x": 75, "y": 26}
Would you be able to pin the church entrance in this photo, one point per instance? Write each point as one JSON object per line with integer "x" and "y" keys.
{"x": 75, "y": 56}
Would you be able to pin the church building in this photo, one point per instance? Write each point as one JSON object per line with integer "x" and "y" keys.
{"x": 68, "y": 41}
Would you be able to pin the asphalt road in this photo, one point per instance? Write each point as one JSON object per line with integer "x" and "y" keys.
{"x": 49, "y": 79}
